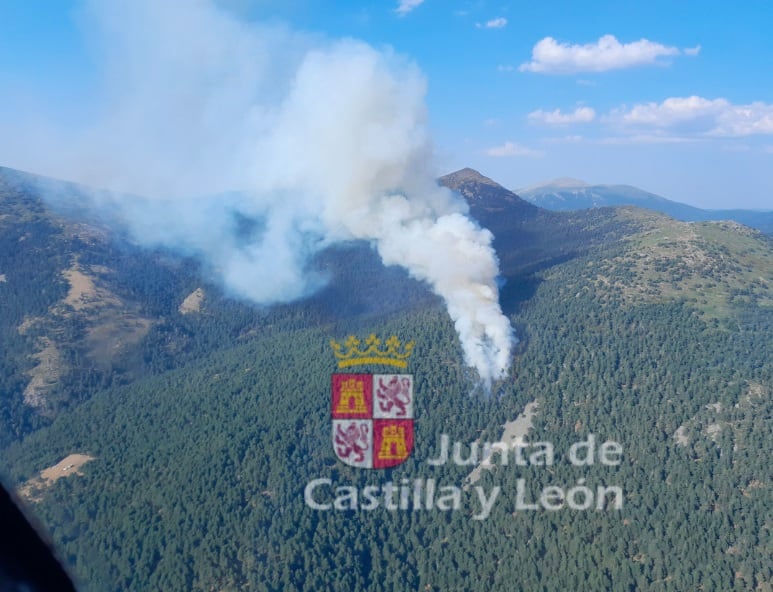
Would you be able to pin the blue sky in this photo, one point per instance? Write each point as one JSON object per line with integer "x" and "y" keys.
{"x": 673, "y": 97}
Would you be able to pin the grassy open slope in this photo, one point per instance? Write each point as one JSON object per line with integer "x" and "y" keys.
{"x": 717, "y": 267}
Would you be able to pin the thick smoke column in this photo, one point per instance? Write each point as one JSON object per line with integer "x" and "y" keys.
{"x": 326, "y": 140}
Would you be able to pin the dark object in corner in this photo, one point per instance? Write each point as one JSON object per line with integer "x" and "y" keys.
{"x": 27, "y": 563}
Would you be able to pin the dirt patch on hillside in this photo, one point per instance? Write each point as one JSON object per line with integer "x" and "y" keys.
{"x": 113, "y": 334}
{"x": 108, "y": 327}
{"x": 192, "y": 302}
{"x": 45, "y": 373}
{"x": 713, "y": 430}
{"x": 514, "y": 434}
{"x": 723, "y": 424}
{"x": 112, "y": 323}
{"x": 84, "y": 293}
{"x": 85, "y": 232}
{"x": 756, "y": 391}
{"x": 82, "y": 289}
{"x": 27, "y": 324}
{"x": 33, "y": 489}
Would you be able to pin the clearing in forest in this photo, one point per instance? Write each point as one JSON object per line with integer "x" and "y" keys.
{"x": 70, "y": 465}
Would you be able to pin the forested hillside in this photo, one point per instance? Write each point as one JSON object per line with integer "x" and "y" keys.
{"x": 205, "y": 429}
{"x": 85, "y": 308}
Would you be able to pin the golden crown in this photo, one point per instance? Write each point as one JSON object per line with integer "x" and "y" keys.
{"x": 372, "y": 353}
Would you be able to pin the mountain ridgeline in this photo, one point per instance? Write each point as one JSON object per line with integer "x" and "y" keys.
{"x": 571, "y": 194}
{"x": 164, "y": 432}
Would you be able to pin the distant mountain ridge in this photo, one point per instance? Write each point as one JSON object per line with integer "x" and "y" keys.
{"x": 567, "y": 194}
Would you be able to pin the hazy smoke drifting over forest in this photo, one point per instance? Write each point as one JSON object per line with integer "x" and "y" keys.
{"x": 324, "y": 141}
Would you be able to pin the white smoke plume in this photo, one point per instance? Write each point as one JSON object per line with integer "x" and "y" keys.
{"x": 326, "y": 141}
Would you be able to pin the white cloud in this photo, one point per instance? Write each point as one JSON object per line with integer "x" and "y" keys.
{"x": 552, "y": 57}
{"x": 692, "y": 51}
{"x": 671, "y": 112}
{"x": 513, "y": 149}
{"x": 745, "y": 120}
{"x": 579, "y": 115}
{"x": 698, "y": 116}
{"x": 496, "y": 23}
{"x": 406, "y": 6}
{"x": 505, "y": 68}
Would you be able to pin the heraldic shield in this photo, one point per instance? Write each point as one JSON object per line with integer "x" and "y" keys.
{"x": 372, "y": 419}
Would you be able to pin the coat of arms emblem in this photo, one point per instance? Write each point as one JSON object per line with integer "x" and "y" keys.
{"x": 372, "y": 413}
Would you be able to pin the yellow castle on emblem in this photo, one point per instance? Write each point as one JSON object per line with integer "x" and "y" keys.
{"x": 373, "y": 353}
{"x": 352, "y": 399}
{"x": 393, "y": 444}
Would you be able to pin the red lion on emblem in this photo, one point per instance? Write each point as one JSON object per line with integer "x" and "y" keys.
{"x": 352, "y": 440}
{"x": 394, "y": 394}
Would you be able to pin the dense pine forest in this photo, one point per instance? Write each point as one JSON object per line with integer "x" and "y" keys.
{"x": 206, "y": 423}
